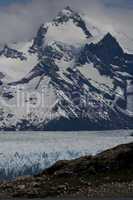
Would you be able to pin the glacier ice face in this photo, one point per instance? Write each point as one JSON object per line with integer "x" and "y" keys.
{"x": 30, "y": 153}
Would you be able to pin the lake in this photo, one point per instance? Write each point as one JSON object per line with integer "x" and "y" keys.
{"x": 28, "y": 153}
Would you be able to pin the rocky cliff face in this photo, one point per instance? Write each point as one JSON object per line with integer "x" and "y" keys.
{"x": 130, "y": 96}
{"x": 63, "y": 80}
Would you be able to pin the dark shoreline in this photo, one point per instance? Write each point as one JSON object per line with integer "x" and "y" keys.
{"x": 73, "y": 198}
{"x": 76, "y": 198}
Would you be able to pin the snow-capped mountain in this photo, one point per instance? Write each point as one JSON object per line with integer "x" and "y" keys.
{"x": 68, "y": 27}
{"x": 64, "y": 80}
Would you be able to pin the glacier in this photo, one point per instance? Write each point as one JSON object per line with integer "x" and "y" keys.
{"x": 28, "y": 153}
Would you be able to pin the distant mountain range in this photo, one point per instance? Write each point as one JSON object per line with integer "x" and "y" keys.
{"x": 69, "y": 77}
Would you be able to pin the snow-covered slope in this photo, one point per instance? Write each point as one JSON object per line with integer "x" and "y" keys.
{"x": 16, "y": 61}
{"x": 66, "y": 78}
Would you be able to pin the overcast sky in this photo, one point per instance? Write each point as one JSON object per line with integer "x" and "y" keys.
{"x": 20, "y": 19}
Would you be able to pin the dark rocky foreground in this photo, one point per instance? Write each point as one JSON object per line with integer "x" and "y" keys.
{"x": 108, "y": 174}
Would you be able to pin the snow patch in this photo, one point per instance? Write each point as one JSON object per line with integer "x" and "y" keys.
{"x": 92, "y": 74}
{"x": 16, "y": 69}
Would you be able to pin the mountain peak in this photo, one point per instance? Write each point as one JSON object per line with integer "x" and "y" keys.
{"x": 69, "y": 15}
{"x": 67, "y": 27}
{"x": 67, "y": 12}
{"x": 110, "y": 41}
{"x": 109, "y": 38}
{"x": 107, "y": 49}
{"x": 68, "y": 8}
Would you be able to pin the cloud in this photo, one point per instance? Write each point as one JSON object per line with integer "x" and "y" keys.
{"x": 20, "y": 21}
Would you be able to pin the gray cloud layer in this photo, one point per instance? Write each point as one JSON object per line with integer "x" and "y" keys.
{"x": 21, "y": 21}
